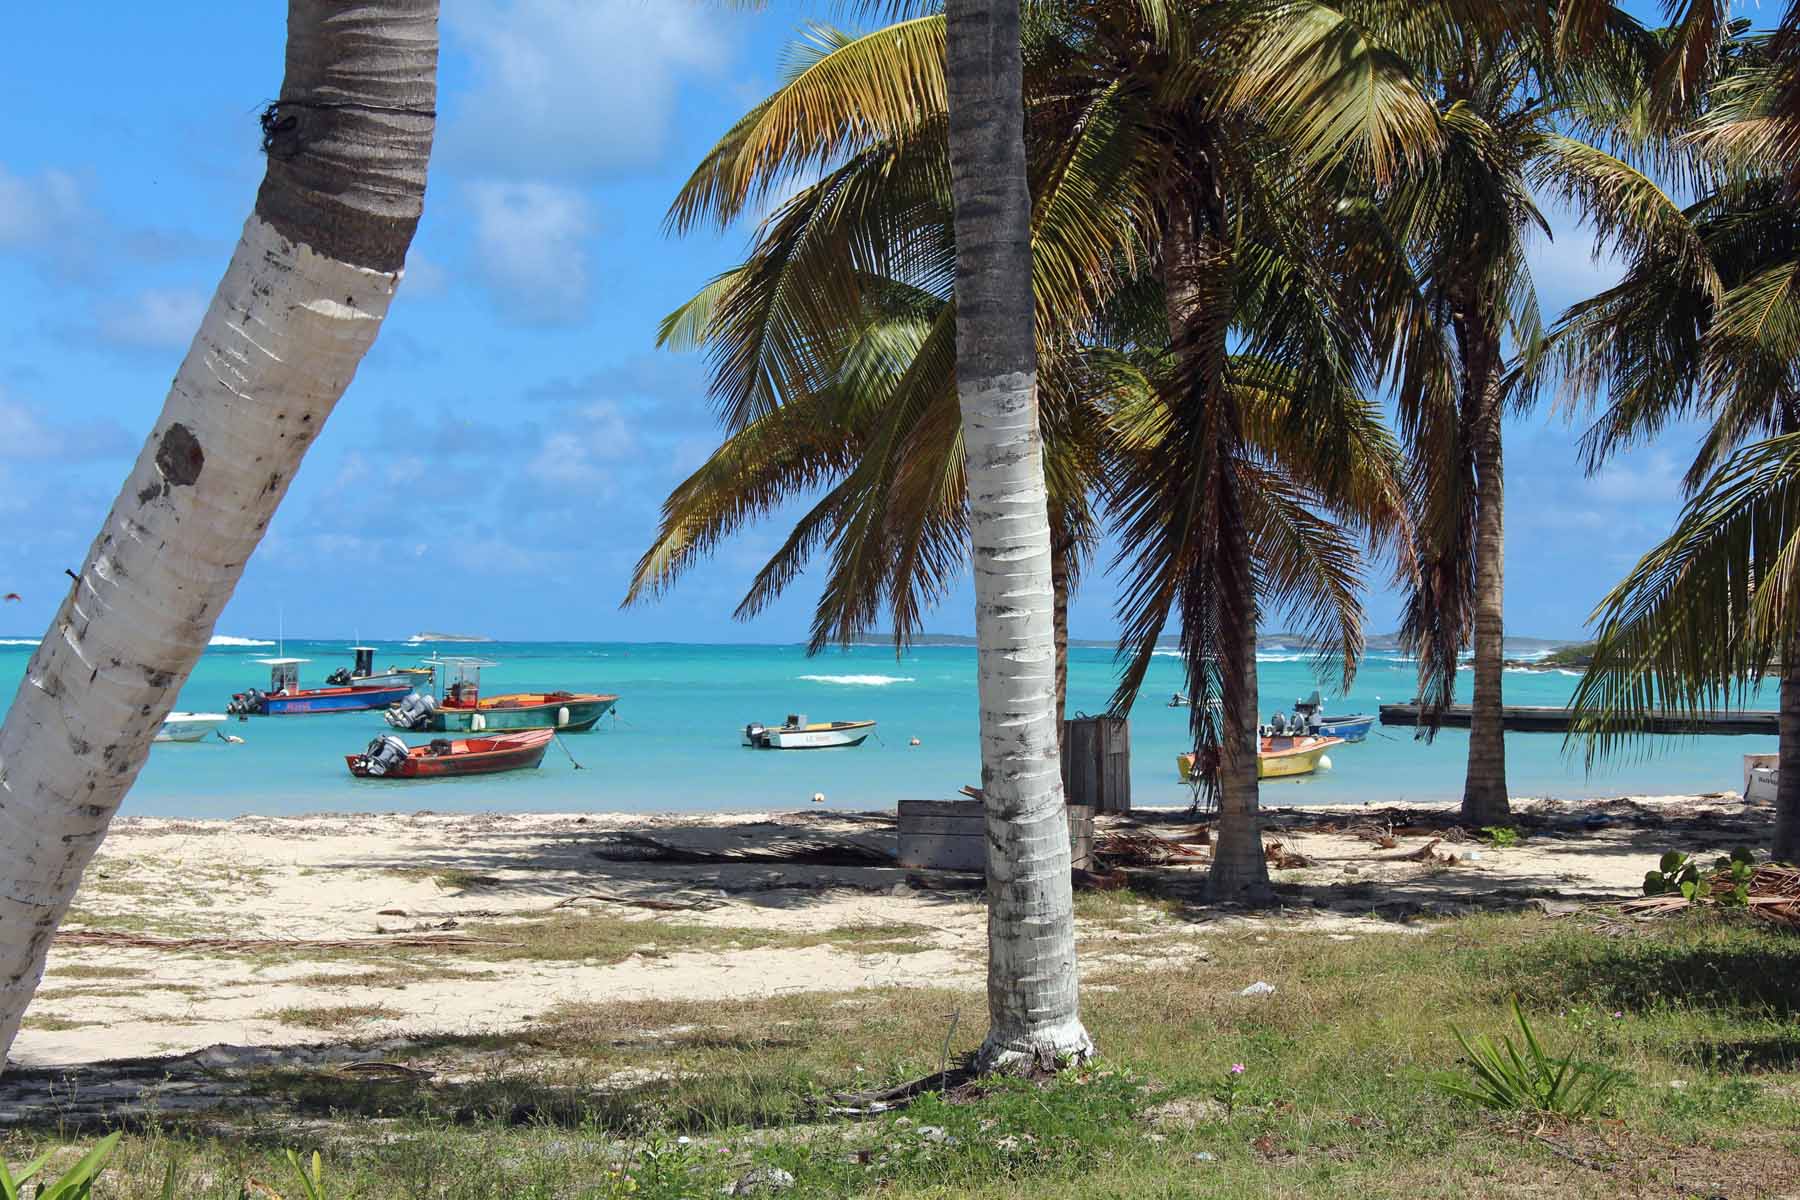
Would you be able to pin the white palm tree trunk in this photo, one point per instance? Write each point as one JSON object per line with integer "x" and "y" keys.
{"x": 300, "y": 304}
{"x": 1032, "y": 994}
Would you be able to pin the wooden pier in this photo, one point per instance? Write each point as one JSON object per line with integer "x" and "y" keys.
{"x": 1545, "y": 719}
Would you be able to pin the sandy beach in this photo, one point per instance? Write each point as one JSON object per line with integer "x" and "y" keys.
{"x": 272, "y": 932}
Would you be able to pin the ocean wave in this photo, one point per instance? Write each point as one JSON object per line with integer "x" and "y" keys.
{"x": 225, "y": 639}
{"x": 18, "y": 641}
{"x": 1284, "y": 657}
{"x": 859, "y": 680}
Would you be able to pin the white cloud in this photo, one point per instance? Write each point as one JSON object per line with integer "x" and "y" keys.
{"x": 36, "y": 210}
{"x": 579, "y": 87}
{"x": 424, "y": 277}
{"x": 529, "y": 240}
{"x": 26, "y": 435}
{"x": 573, "y": 453}
{"x": 154, "y": 319}
{"x": 1564, "y": 264}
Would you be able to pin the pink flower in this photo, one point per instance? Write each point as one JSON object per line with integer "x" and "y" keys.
{"x": 1618, "y": 1016}
{"x": 1237, "y": 1068}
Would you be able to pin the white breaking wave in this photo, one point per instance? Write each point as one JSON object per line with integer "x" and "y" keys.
{"x": 18, "y": 641}
{"x": 859, "y": 680}
{"x": 225, "y": 639}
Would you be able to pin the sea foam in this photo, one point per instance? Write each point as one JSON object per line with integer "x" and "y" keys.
{"x": 18, "y": 641}
{"x": 225, "y": 639}
{"x": 859, "y": 680}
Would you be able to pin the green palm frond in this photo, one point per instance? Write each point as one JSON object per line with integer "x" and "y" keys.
{"x": 1705, "y": 613}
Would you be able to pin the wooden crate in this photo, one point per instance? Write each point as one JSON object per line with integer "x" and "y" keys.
{"x": 951, "y": 835}
{"x": 1096, "y": 763}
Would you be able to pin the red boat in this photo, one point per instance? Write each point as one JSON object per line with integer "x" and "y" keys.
{"x": 390, "y": 758}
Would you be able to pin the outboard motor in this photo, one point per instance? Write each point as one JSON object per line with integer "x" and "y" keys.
{"x": 754, "y": 734}
{"x": 339, "y": 678}
{"x": 250, "y": 700}
{"x": 412, "y": 711}
{"x": 384, "y": 755}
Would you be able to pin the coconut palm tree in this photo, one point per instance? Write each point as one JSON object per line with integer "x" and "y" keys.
{"x": 1458, "y": 309}
{"x": 793, "y": 320}
{"x": 301, "y": 302}
{"x": 1703, "y": 325}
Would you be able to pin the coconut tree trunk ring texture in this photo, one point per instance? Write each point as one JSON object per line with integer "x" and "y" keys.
{"x": 1032, "y": 994}
{"x": 301, "y": 302}
{"x": 1484, "y": 785}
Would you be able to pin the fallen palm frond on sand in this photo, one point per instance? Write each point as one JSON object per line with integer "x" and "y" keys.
{"x": 140, "y": 941}
{"x": 1136, "y": 848}
{"x": 1772, "y": 893}
{"x": 809, "y": 852}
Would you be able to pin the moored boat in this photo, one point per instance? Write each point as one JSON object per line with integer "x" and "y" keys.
{"x": 364, "y": 675}
{"x": 1352, "y": 728}
{"x": 387, "y": 757}
{"x": 1277, "y": 757}
{"x": 799, "y": 734}
{"x": 286, "y": 697}
{"x": 464, "y": 709}
{"x": 189, "y": 727}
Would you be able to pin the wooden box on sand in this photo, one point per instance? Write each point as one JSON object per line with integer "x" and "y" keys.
{"x": 951, "y": 835}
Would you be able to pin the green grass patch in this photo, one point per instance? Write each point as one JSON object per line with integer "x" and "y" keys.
{"x": 335, "y": 1018}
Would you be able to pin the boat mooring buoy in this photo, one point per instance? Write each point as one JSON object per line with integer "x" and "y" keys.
{"x": 914, "y": 742}
{"x": 818, "y": 797}
{"x": 1324, "y": 762}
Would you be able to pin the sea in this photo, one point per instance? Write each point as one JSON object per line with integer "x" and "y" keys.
{"x": 676, "y": 741}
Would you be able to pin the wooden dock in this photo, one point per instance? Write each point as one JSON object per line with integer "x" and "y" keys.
{"x": 1546, "y": 719}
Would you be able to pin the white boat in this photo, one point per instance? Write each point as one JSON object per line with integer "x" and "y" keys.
{"x": 363, "y": 674}
{"x": 797, "y": 734}
{"x": 188, "y": 727}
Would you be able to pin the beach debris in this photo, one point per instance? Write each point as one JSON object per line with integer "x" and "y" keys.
{"x": 1259, "y": 988}
{"x": 141, "y": 941}
{"x": 1140, "y": 848}
{"x": 659, "y": 903}
{"x": 807, "y": 852}
{"x": 1772, "y": 893}
{"x": 1283, "y": 859}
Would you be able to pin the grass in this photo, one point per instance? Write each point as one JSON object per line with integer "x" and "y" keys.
{"x": 602, "y": 938}
{"x": 1336, "y": 1100}
{"x": 335, "y": 1018}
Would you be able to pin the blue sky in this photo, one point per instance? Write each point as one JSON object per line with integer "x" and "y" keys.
{"x": 498, "y": 464}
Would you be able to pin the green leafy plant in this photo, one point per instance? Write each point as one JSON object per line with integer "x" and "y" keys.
{"x": 1677, "y": 873}
{"x": 1510, "y": 1077}
{"x": 74, "y": 1184}
{"x": 1732, "y": 879}
{"x": 1501, "y": 836}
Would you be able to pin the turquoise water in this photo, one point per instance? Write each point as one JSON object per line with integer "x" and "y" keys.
{"x": 677, "y": 743}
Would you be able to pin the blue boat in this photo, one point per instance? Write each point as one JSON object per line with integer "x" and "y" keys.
{"x": 1352, "y": 728}
{"x": 286, "y": 697}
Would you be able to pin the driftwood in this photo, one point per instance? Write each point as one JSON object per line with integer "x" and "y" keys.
{"x": 142, "y": 941}
{"x": 806, "y": 852}
{"x": 1125, "y": 848}
{"x": 697, "y": 904}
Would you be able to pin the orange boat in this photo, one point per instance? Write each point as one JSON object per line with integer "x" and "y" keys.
{"x": 387, "y": 757}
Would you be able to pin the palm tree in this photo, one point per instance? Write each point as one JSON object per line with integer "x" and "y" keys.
{"x": 1704, "y": 324}
{"x": 1459, "y": 312}
{"x": 799, "y": 317}
{"x": 301, "y": 302}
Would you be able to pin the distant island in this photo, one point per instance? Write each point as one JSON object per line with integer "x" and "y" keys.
{"x": 1382, "y": 642}
{"x": 448, "y": 637}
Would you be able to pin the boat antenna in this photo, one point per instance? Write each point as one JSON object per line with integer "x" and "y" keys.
{"x": 281, "y": 631}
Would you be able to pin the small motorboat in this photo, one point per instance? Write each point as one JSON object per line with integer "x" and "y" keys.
{"x": 364, "y": 675}
{"x": 1352, "y": 728}
{"x": 464, "y": 709}
{"x": 796, "y": 733}
{"x": 1277, "y": 757}
{"x": 189, "y": 727}
{"x": 286, "y": 697}
{"x": 387, "y": 757}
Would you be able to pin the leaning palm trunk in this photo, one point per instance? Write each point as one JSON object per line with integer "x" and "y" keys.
{"x": 300, "y": 303}
{"x": 1484, "y": 785}
{"x": 1239, "y": 869}
{"x": 1787, "y": 773}
{"x": 1032, "y": 1001}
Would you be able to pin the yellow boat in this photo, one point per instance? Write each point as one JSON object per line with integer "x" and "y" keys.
{"x": 1276, "y": 757}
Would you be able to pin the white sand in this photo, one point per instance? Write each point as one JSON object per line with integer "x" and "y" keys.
{"x": 332, "y": 877}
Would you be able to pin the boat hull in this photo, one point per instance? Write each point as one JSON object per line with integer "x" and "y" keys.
{"x": 1351, "y": 729}
{"x": 189, "y": 727}
{"x": 406, "y": 677}
{"x": 577, "y": 714}
{"x": 1283, "y": 758}
{"x": 326, "y": 700}
{"x": 467, "y": 756}
{"x": 823, "y": 737}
